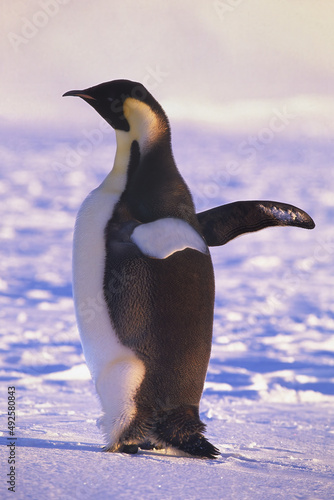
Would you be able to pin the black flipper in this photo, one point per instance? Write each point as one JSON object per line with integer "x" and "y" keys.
{"x": 221, "y": 224}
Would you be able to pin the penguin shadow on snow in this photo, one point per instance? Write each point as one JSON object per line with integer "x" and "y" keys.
{"x": 51, "y": 444}
{"x": 153, "y": 455}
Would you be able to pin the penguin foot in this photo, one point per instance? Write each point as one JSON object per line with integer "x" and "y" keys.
{"x": 179, "y": 428}
{"x": 182, "y": 428}
{"x": 130, "y": 449}
{"x": 198, "y": 446}
{"x": 147, "y": 445}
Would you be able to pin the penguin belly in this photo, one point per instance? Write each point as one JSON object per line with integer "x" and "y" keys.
{"x": 116, "y": 370}
{"x": 162, "y": 311}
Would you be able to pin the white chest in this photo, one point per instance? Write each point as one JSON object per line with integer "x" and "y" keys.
{"x": 97, "y": 335}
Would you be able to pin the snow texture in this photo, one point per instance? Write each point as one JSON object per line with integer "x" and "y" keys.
{"x": 269, "y": 393}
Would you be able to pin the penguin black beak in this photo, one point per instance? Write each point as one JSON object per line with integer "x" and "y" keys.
{"x": 78, "y": 93}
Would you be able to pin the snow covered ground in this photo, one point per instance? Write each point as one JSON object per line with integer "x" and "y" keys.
{"x": 248, "y": 86}
{"x": 269, "y": 396}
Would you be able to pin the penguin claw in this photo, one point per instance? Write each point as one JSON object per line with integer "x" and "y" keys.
{"x": 147, "y": 445}
{"x": 130, "y": 449}
{"x": 198, "y": 446}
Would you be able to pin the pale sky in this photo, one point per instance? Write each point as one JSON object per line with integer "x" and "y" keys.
{"x": 192, "y": 55}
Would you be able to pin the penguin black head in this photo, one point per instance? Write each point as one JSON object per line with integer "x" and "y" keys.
{"x": 124, "y": 104}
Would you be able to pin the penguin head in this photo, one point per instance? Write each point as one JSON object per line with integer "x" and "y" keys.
{"x": 127, "y": 106}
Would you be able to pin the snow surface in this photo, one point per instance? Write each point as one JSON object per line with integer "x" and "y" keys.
{"x": 269, "y": 393}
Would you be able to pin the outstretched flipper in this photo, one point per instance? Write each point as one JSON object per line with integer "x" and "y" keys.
{"x": 221, "y": 224}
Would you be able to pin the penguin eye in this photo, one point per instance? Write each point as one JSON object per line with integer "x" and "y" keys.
{"x": 116, "y": 105}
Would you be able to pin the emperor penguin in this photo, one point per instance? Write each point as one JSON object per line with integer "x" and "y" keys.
{"x": 141, "y": 255}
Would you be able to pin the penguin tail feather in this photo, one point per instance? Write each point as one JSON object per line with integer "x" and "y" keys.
{"x": 182, "y": 428}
